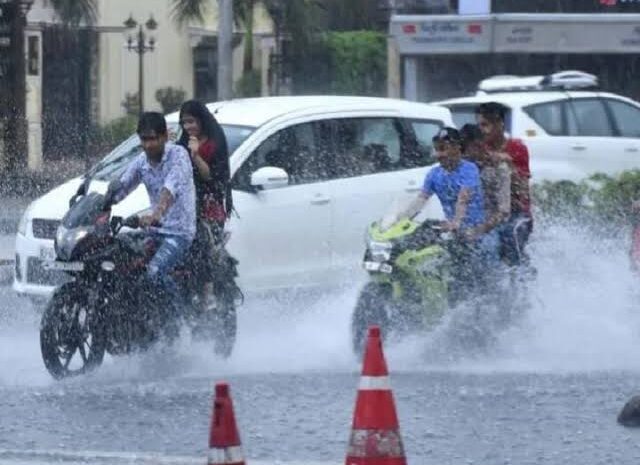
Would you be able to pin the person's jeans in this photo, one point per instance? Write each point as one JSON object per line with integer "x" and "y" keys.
{"x": 514, "y": 234}
{"x": 474, "y": 265}
{"x": 171, "y": 251}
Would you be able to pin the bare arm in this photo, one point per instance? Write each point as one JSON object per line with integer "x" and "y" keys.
{"x": 165, "y": 202}
{"x": 461, "y": 208}
{"x": 202, "y": 167}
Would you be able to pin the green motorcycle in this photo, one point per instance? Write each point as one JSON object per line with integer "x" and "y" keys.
{"x": 410, "y": 269}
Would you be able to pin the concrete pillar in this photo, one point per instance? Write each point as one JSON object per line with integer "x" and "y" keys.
{"x": 410, "y": 78}
{"x": 33, "y": 103}
{"x": 394, "y": 72}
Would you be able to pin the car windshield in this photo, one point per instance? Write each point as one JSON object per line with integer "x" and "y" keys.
{"x": 466, "y": 114}
{"x": 114, "y": 164}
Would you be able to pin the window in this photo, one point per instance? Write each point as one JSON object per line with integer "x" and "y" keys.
{"x": 590, "y": 117}
{"x": 113, "y": 165}
{"x": 626, "y": 118}
{"x": 466, "y": 114}
{"x": 549, "y": 116}
{"x": 424, "y": 132}
{"x": 463, "y": 115}
{"x": 293, "y": 149}
{"x": 367, "y": 146}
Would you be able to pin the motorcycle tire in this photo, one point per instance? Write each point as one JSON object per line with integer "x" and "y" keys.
{"x": 226, "y": 327}
{"x": 370, "y": 310}
{"x": 70, "y": 334}
{"x": 218, "y": 324}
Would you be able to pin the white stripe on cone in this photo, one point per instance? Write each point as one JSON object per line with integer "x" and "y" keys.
{"x": 225, "y": 455}
{"x": 377, "y": 383}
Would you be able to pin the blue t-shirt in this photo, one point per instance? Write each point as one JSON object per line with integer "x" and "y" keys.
{"x": 447, "y": 186}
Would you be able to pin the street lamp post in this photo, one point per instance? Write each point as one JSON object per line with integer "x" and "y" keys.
{"x": 140, "y": 44}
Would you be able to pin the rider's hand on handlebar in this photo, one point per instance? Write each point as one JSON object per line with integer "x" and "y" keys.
{"x": 149, "y": 220}
{"x": 451, "y": 225}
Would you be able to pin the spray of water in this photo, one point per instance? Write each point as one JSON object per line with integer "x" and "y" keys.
{"x": 583, "y": 317}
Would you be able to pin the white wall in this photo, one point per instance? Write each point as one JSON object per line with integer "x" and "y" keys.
{"x": 170, "y": 64}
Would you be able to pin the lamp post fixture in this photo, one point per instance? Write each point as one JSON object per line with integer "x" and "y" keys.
{"x": 140, "y": 43}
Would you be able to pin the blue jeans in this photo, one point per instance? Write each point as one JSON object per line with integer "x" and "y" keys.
{"x": 514, "y": 234}
{"x": 171, "y": 251}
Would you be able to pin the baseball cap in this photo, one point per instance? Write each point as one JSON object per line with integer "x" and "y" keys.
{"x": 447, "y": 134}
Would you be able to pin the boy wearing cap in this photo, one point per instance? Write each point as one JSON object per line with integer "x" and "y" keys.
{"x": 456, "y": 183}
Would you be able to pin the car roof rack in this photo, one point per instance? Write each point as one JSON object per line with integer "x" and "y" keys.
{"x": 563, "y": 80}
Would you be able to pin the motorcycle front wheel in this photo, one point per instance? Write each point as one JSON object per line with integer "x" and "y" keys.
{"x": 370, "y": 310}
{"x": 71, "y": 338}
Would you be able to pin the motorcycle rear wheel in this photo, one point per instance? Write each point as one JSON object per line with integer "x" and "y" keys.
{"x": 218, "y": 323}
{"x": 71, "y": 339}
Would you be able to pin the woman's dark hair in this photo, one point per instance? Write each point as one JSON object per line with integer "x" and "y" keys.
{"x": 152, "y": 121}
{"x": 470, "y": 133}
{"x": 220, "y": 171}
{"x": 493, "y": 111}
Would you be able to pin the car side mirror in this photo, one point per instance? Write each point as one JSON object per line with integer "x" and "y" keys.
{"x": 269, "y": 177}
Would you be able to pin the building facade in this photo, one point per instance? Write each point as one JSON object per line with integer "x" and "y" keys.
{"x": 78, "y": 77}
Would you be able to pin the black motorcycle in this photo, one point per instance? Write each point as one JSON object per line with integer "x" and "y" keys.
{"x": 109, "y": 305}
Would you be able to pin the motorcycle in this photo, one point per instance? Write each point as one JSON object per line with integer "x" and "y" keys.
{"x": 110, "y": 306}
{"x": 409, "y": 265}
{"x": 418, "y": 272}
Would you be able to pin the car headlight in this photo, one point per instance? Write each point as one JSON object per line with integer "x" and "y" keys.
{"x": 23, "y": 225}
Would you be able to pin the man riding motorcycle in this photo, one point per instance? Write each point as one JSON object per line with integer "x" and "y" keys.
{"x": 456, "y": 183}
{"x": 165, "y": 170}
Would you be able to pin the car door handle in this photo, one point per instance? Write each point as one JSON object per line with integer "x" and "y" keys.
{"x": 412, "y": 187}
{"x": 632, "y": 150}
{"x": 320, "y": 199}
{"x": 579, "y": 148}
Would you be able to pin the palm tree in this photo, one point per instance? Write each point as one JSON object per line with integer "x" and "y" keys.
{"x": 74, "y": 12}
{"x": 299, "y": 18}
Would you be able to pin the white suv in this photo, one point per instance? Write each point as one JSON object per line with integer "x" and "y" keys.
{"x": 309, "y": 174}
{"x": 572, "y": 130}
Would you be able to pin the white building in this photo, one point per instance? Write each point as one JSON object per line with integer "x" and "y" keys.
{"x": 84, "y": 74}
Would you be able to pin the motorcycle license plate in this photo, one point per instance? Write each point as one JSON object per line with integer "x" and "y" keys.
{"x": 63, "y": 266}
{"x": 376, "y": 266}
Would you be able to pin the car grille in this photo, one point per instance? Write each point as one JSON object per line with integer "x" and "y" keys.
{"x": 36, "y": 274}
{"x": 44, "y": 229}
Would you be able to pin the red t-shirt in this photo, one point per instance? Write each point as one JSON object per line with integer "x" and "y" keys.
{"x": 211, "y": 209}
{"x": 520, "y": 192}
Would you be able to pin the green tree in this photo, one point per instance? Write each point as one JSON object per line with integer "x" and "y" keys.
{"x": 74, "y": 12}
{"x": 300, "y": 19}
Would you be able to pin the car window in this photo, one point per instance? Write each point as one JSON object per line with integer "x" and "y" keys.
{"x": 591, "y": 118}
{"x": 114, "y": 164}
{"x": 424, "y": 131}
{"x": 367, "y": 145}
{"x": 463, "y": 115}
{"x": 549, "y": 116}
{"x": 466, "y": 114}
{"x": 626, "y": 118}
{"x": 294, "y": 149}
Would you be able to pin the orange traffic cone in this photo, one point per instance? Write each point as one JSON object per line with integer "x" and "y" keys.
{"x": 375, "y": 434}
{"x": 224, "y": 440}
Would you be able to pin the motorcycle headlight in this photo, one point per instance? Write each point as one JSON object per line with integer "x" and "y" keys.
{"x": 380, "y": 251}
{"x": 66, "y": 239}
{"x": 25, "y": 220}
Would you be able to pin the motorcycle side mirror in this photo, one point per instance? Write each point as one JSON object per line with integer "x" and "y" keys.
{"x": 81, "y": 192}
